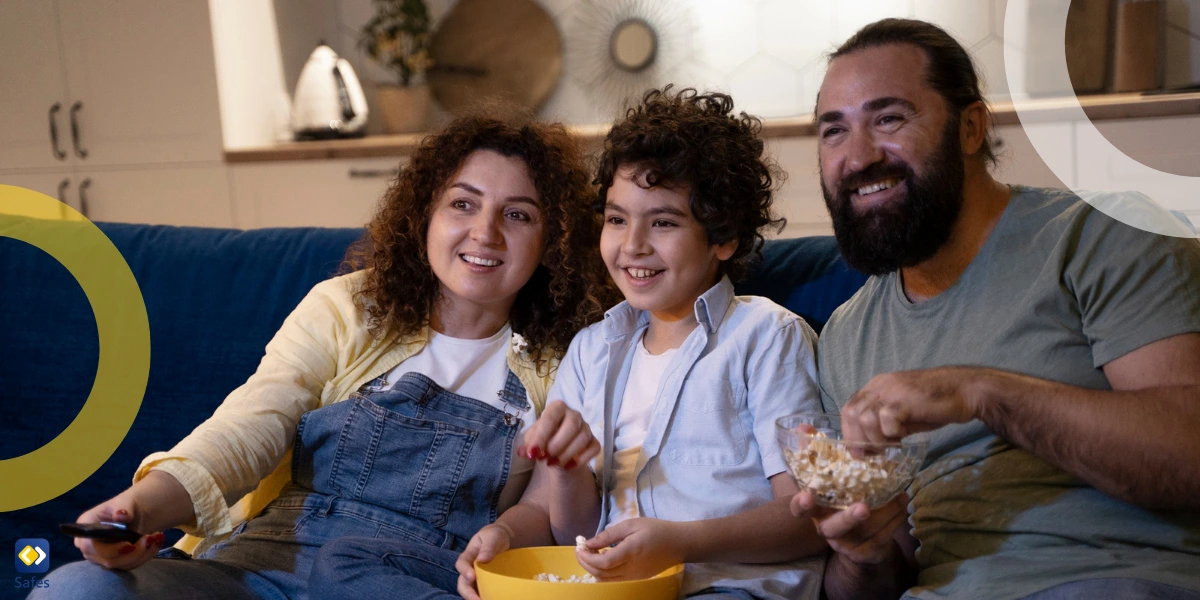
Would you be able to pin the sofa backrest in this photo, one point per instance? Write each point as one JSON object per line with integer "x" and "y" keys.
{"x": 214, "y": 298}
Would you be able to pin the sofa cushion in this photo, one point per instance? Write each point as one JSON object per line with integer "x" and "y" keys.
{"x": 807, "y": 275}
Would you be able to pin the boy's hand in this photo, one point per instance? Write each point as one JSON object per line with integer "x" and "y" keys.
{"x": 864, "y": 536}
{"x": 483, "y": 547}
{"x": 644, "y": 548}
{"x": 561, "y": 437}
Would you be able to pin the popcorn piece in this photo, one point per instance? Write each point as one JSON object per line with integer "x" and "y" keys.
{"x": 552, "y": 578}
{"x": 581, "y": 544}
{"x": 838, "y": 478}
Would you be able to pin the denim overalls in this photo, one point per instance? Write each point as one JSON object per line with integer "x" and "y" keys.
{"x": 414, "y": 463}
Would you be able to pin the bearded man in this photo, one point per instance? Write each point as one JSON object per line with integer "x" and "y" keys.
{"x": 1053, "y": 352}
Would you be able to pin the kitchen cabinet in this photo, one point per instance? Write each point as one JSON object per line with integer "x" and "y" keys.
{"x": 143, "y": 76}
{"x": 33, "y": 91}
{"x": 190, "y": 196}
{"x": 195, "y": 196}
{"x": 119, "y": 98}
{"x": 317, "y": 193}
{"x": 56, "y": 184}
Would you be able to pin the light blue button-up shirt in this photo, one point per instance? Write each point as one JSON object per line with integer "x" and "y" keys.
{"x": 710, "y": 445}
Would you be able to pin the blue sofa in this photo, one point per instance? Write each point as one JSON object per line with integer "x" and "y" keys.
{"x": 214, "y": 298}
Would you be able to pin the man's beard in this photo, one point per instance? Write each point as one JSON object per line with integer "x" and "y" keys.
{"x": 906, "y": 232}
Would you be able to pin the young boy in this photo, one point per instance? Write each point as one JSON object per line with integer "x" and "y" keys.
{"x": 682, "y": 382}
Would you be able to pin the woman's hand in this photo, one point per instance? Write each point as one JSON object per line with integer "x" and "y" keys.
{"x": 483, "y": 547}
{"x": 158, "y": 501}
{"x": 644, "y": 548}
{"x": 119, "y": 555}
{"x": 561, "y": 437}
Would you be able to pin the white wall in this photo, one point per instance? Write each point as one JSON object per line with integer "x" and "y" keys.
{"x": 255, "y": 102}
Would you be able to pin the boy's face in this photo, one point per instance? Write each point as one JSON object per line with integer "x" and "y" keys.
{"x": 655, "y": 249}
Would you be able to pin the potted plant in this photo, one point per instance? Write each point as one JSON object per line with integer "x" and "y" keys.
{"x": 398, "y": 38}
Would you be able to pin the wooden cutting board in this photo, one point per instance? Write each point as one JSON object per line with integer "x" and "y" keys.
{"x": 509, "y": 49}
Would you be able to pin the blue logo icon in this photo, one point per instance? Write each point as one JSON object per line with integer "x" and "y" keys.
{"x": 32, "y": 555}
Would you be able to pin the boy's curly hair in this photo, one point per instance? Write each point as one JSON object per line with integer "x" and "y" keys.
{"x": 570, "y": 288}
{"x": 693, "y": 139}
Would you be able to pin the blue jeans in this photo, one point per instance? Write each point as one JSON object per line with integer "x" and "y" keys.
{"x": 414, "y": 463}
{"x": 1123, "y": 588}
{"x": 359, "y": 568}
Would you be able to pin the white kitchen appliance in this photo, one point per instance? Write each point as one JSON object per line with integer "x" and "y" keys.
{"x": 329, "y": 101}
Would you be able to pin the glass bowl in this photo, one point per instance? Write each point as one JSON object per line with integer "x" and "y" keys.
{"x": 841, "y": 473}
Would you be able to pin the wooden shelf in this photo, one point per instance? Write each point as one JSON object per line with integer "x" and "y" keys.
{"x": 1098, "y": 108}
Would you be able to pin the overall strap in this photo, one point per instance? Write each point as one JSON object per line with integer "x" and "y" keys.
{"x": 514, "y": 398}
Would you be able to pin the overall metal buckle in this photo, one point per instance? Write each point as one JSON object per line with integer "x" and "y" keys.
{"x": 509, "y": 418}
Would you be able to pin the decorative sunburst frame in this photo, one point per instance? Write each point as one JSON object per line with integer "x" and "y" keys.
{"x": 588, "y": 35}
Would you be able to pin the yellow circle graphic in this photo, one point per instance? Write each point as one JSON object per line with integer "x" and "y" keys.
{"x": 124, "y": 365}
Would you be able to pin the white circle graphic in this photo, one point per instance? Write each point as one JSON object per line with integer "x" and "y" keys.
{"x": 1139, "y": 208}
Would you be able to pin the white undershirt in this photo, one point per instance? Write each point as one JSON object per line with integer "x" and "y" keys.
{"x": 640, "y": 391}
{"x": 476, "y": 369}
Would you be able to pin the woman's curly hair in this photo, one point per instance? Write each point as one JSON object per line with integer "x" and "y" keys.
{"x": 570, "y": 288}
{"x": 693, "y": 139}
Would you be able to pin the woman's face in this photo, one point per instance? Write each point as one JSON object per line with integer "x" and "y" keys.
{"x": 486, "y": 233}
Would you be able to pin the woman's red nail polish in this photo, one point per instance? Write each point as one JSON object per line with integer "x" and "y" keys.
{"x": 571, "y": 464}
{"x": 126, "y": 549}
{"x": 536, "y": 453}
{"x": 553, "y": 460}
{"x": 122, "y": 513}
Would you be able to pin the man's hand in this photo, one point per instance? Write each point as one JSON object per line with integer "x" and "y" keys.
{"x": 484, "y": 546}
{"x": 864, "y": 536}
{"x": 893, "y": 405}
{"x": 873, "y": 551}
{"x": 644, "y": 548}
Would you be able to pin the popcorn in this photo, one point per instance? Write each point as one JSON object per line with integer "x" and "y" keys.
{"x": 581, "y": 544}
{"x": 839, "y": 479}
{"x": 519, "y": 343}
{"x": 552, "y": 578}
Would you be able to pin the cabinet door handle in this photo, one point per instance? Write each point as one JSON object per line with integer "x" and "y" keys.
{"x": 83, "y": 200}
{"x": 62, "y": 195}
{"x": 58, "y": 152}
{"x": 80, "y": 151}
{"x": 373, "y": 173}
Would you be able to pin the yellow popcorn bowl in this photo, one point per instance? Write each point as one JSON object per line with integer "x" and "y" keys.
{"x": 511, "y": 576}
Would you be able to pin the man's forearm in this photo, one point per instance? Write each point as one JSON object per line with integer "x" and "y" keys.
{"x": 1139, "y": 446}
{"x": 848, "y": 580}
{"x": 766, "y": 534}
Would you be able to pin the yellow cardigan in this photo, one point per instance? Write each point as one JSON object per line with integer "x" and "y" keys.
{"x": 238, "y": 460}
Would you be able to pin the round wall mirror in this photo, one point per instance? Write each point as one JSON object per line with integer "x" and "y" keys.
{"x": 633, "y": 45}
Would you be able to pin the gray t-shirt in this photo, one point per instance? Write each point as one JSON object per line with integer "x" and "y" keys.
{"x": 1058, "y": 290}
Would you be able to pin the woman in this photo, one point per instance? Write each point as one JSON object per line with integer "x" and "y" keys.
{"x": 474, "y": 275}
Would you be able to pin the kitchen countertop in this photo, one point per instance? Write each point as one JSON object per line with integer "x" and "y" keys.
{"x": 1098, "y": 108}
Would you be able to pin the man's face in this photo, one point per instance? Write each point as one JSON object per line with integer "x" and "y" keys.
{"x": 891, "y": 159}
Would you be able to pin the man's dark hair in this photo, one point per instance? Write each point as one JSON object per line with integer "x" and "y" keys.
{"x": 950, "y": 72}
{"x": 690, "y": 139}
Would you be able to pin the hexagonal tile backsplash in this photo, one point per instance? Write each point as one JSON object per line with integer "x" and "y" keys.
{"x": 768, "y": 53}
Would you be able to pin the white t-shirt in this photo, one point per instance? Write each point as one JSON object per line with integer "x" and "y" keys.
{"x": 630, "y": 430}
{"x": 476, "y": 369}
